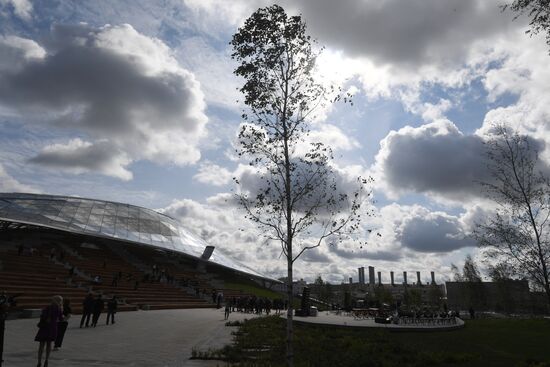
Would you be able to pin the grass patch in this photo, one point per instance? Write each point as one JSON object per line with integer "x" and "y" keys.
{"x": 524, "y": 343}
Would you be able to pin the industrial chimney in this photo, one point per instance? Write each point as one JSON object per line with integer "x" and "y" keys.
{"x": 361, "y": 275}
{"x": 372, "y": 281}
{"x": 433, "y": 277}
{"x": 418, "y": 281}
{"x": 405, "y": 277}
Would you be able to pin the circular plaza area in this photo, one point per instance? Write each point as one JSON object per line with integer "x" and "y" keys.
{"x": 404, "y": 324}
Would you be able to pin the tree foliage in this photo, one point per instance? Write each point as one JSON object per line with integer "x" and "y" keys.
{"x": 537, "y": 10}
{"x": 298, "y": 201}
{"x": 470, "y": 271}
{"x": 519, "y": 231}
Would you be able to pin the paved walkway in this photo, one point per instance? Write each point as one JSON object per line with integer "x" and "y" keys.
{"x": 141, "y": 338}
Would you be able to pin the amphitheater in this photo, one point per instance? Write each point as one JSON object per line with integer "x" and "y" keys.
{"x": 164, "y": 273}
{"x": 59, "y": 245}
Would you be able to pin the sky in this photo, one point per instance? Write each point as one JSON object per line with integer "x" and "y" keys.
{"x": 136, "y": 101}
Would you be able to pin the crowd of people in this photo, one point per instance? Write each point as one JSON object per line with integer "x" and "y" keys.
{"x": 251, "y": 304}
{"x": 93, "y": 307}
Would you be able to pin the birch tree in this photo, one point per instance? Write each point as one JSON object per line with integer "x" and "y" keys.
{"x": 298, "y": 202}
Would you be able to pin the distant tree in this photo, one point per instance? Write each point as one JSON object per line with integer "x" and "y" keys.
{"x": 537, "y": 10}
{"x": 519, "y": 231}
{"x": 470, "y": 271}
{"x": 473, "y": 289}
{"x": 501, "y": 272}
{"x": 298, "y": 202}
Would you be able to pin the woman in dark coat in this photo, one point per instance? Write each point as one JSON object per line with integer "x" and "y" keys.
{"x": 62, "y": 325}
{"x": 47, "y": 331}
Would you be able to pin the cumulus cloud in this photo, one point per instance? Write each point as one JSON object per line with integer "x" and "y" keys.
{"x": 21, "y": 8}
{"x": 408, "y": 33}
{"x": 433, "y": 158}
{"x": 113, "y": 84}
{"x": 422, "y": 230}
{"x": 433, "y": 232}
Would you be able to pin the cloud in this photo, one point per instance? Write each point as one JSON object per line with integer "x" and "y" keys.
{"x": 213, "y": 174}
{"x": 433, "y": 232}
{"x": 21, "y": 8}
{"x": 413, "y": 238}
{"x": 333, "y": 137}
{"x": 524, "y": 74}
{"x": 388, "y": 44}
{"x": 315, "y": 255}
{"x": 113, "y": 85}
{"x": 411, "y": 33}
{"x": 435, "y": 158}
{"x": 10, "y": 184}
{"x": 422, "y": 230}
{"x": 14, "y": 50}
{"x": 78, "y": 156}
{"x": 356, "y": 252}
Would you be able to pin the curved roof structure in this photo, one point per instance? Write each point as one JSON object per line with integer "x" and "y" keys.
{"x": 117, "y": 221}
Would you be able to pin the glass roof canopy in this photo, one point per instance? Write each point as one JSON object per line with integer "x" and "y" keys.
{"x": 112, "y": 220}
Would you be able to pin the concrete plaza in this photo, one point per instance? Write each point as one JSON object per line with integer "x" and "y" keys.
{"x": 140, "y": 338}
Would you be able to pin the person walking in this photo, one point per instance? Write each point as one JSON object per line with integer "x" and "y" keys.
{"x": 111, "y": 309}
{"x": 47, "y": 328}
{"x": 99, "y": 305}
{"x": 227, "y": 310}
{"x": 62, "y": 325}
{"x": 87, "y": 308}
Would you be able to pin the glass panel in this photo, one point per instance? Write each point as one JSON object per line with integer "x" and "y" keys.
{"x": 94, "y": 223}
{"x": 148, "y": 226}
{"x": 133, "y": 236}
{"x": 145, "y": 237}
{"x": 133, "y": 225}
{"x": 121, "y": 227}
{"x": 108, "y": 225}
{"x": 122, "y": 211}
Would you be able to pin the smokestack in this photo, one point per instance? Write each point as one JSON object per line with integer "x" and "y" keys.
{"x": 379, "y": 278}
{"x": 405, "y": 277}
{"x": 391, "y": 276}
{"x": 371, "y": 275}
{"x": 433, "y": 277}
{"x": 350, "y": 280}
{"x": 361, "y": 271}
{"x": 418, "y": 278}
